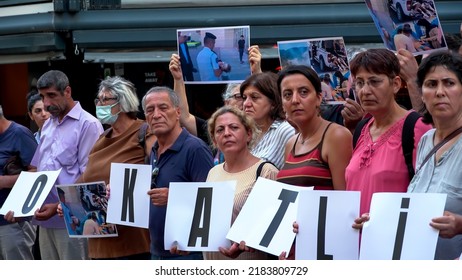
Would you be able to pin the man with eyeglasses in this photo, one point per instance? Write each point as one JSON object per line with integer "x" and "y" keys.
{"x": 177, "y": 156}
{"x": 67, "y": 139}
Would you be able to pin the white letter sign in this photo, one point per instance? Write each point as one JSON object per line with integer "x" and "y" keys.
{"x": 399, "y": 228}
{"x": 29, "y": 192}
{"x": 266, "y": 219}
{"x": 129, "y": 200}
{"x": 199, "y": 215}
{"x": 324, "y": 226}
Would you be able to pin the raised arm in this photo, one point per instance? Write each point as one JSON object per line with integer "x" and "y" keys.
{"x": 408, "y": 73}
{"x": 352, "y": 114}
{"x": 255, "y": 59}
{"x": 187, "y": 120}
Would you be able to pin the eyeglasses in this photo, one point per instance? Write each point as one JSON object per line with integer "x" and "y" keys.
{"x": 155, "y": 173}
{"x": 236, "y": 96}
{"x": 374, "y": 83}
{"x": 104, "y": 100}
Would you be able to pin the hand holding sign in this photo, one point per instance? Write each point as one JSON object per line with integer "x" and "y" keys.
{"x": 46, "y": 211}
{"x": 29, "y": 192}
{"x": 159, "y": 196}
{"x": 236, "y": 249}
{"x": 9, "y": 217}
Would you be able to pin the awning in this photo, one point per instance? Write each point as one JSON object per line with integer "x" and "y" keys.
{"x": 31, "y": 43}
{"x": 33, "y": 57}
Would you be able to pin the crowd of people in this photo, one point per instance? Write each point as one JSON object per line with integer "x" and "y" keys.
{"x": 270, "y": 126}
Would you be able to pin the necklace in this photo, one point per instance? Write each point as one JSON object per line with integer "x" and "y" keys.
{"x": 302, "y": 141}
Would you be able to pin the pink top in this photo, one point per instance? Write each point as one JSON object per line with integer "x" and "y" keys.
{"x": 379, "y": 166}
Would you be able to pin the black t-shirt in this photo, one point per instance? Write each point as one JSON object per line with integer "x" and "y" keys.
{"x": 202, "y": 133}
{"x": 241, "y": 43}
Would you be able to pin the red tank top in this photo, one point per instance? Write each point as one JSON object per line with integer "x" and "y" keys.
{"x": 308, "y": 169}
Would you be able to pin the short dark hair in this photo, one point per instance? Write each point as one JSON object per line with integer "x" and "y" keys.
{"x": 453, "y": 41}
{"x": 32, "y": 97}
{"x": 447, "y": 59}
{"x": 304, "y": 70}
{"x": 53, "y": 78}
{"x": 378, "y": 61}
{"x": 161, "y": 89}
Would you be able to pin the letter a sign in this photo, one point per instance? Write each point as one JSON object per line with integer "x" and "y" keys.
{"x": 199, "y": 215}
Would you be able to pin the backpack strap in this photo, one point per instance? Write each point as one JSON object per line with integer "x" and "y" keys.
{"x": 142, "y": 139}
{"x": 106, "y": 132}
{"x": 142, "y": 135}
{"x": 407, "y": 140}
{"x": 358, "y": 129}
{"x": 260, "y": 168}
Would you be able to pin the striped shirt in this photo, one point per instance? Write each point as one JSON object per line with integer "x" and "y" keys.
{"x": 307, "y": 169}
{"x": 272, "y": 145}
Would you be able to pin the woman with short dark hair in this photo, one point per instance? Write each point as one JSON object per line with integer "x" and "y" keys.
{"x": 440, "y": 77}
{"x": 378, "y": 163}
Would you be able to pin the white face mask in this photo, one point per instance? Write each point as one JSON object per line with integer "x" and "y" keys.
{"x": 104, "y": 114}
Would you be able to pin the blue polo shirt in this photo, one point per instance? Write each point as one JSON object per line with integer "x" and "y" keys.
{"x": 187, "y": 160}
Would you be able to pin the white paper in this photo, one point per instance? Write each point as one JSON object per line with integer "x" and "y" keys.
{"x": 379, "y": 235}
{"x": 258, "y": 213}
{"x": 181, "y": 208}
{"x": 29, "y": 192}
{"x": 340, "y": 241}
{"x": 140, "y": 195}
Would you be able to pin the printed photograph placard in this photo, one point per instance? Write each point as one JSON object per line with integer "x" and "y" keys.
{"x": 214, "y": 55}
{"x": 84, "y": 209}
{"x": 326, "y": 56}
{"x": 413, "y": 25}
